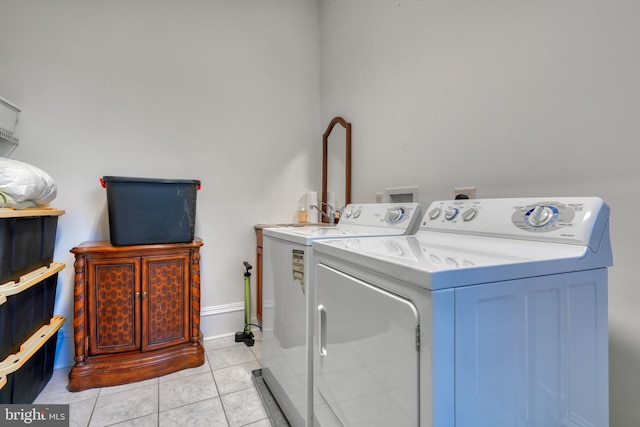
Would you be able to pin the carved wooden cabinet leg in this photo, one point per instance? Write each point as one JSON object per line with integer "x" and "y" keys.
{"x": 136, "y": 312}
{"x": 78, "y": 312}
{"x": 195, "y": 297}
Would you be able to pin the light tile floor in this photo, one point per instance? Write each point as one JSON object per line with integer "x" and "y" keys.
{"x": 220, "y": 393}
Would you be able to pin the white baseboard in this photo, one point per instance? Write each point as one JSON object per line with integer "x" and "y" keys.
{"x": 215, "y": 321}
{"x": 221, "y": 320}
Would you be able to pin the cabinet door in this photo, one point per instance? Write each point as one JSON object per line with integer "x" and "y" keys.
{"x": 113, "y": 291}
{"x": 533, "y": 352}
{"x": 165, "y": 309}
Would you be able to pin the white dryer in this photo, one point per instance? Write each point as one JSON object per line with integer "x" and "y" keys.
{"x": 494, "y": 314}
{"x": 287, "y": 309}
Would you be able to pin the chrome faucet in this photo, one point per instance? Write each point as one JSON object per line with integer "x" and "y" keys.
{"x": 332, "y": 211}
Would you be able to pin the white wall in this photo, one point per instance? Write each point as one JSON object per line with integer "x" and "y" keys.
{"x": 515, "y": 98}
{"x": 226, "y": 92}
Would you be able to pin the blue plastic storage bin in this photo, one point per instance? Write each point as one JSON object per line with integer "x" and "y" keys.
{"x": 145, "y": 211}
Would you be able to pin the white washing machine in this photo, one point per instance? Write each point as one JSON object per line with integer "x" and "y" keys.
{"x": 494, "y": 314}
{"x": 287, "y": 305}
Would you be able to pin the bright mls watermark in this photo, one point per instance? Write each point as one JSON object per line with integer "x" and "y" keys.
{"x": 34, "y": 415}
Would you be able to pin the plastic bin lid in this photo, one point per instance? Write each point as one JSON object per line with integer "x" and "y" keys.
{"x": 154, "y": 180}
{"x": 107, "y": 179}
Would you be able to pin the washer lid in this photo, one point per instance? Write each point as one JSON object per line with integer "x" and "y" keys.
{"x": 307, "y": 235}
{"x": 435, "y": 260}
{"x": 376, "y": 219}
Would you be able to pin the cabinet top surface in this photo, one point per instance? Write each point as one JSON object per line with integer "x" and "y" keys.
{"x": 106, "y": 246}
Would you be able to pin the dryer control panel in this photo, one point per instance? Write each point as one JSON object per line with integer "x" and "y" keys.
{"x": 571, "y": 220}
{"x": 545, "y": 216}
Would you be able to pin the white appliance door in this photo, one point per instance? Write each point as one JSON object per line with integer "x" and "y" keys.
{"x": 366, "y": 362}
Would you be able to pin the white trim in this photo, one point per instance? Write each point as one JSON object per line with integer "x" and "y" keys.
{"x": 221, "y": 309}
{"x": 222, "y": 320}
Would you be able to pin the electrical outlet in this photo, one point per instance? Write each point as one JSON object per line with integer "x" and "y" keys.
{"x": 464, "y": 193}
{"x": 379, "y": 197}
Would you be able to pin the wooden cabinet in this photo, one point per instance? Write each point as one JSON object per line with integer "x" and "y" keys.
{"x": 136, "y": 312}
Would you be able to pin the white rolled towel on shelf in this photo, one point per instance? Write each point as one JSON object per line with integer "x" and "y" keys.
{"x": 22, "y": 183}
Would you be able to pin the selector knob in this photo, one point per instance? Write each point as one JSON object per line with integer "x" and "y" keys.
{"x": 434, "y": 213}
{"x": 540, "y": 216}
{"x": 451, "y": 213}
{"x": 395, "y": 215}
{"x": 469, "y": 214}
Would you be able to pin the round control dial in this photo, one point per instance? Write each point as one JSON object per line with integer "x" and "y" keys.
{"x": 544, "y": 216}
{"x": 469, "y": 214}
{"x": 434, "y": 213}
{"x": 540, "y": 215}
{"x": 395, "y": 216}
{"x": 451, "y": 213}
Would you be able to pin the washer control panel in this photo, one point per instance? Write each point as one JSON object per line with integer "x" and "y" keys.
{"x": 382, "y": 214}
{"x": 563, "y": 219}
